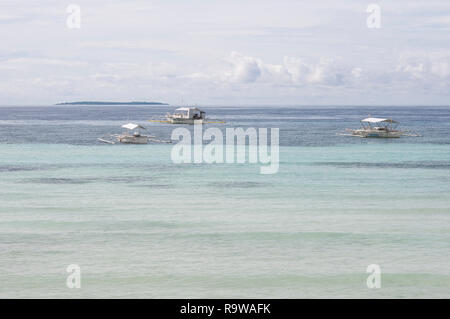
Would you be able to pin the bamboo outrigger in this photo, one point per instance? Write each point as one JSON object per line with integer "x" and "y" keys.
{"x": 132, "y": 135}
{"x": 379, "y": 128}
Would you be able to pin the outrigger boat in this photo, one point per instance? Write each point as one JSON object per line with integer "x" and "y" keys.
{"x": 132, "y": 135}
{"x": 378, "y": 127}
{"x": 186, "y": 115}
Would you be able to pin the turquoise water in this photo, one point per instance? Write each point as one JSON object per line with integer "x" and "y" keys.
{"x": 140, "y": 226}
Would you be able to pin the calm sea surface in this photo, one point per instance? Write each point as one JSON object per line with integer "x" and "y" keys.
{"x": 139, "y": 225}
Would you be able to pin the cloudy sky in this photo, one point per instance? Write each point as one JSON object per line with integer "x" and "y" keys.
{"x": 210, "y": 52}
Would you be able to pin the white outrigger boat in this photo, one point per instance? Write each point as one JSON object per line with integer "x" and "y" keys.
{"x": 186, "y": 115}
{"x": 378, "y": 127}
{"x": 132, "y": 135}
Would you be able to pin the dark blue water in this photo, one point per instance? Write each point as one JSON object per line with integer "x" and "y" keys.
{"x": 299, "y": 126}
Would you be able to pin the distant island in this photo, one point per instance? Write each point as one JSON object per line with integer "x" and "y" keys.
{"x": 110, "y": 103}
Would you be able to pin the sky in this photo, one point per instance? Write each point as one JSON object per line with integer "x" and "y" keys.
{"x": 210, "y": 52}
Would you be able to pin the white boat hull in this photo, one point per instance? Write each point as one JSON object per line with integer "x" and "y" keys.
{"x": 172, "y": 120}
{"x": 129, "y": 139}
{"x": 376, "y": 133}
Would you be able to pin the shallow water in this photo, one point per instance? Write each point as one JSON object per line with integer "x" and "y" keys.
{"x": 141, "y": 226}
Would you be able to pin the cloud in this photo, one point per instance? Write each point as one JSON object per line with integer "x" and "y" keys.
{"x": 292, "y": 71}
{"x": 244, "y": 69}
{"x": 239, "y": 77}
{"x": 5, "y": 18}
{"x": 428, "y": 74}
{"x": 280, "y": 49}
{"x": 28, "y": 63}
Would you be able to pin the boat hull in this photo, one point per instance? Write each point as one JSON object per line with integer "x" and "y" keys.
{"x": 377, "y": 134}
{"x": 127, "y": 139}
{"x": 172, "y": 120}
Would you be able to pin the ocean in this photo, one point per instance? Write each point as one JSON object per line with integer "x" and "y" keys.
{"x": 140, "y": 226}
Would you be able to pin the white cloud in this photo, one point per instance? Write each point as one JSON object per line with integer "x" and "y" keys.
{"x": 284, "y": 49}
{"x": 238, "y": 75}
{"x": 293, "y": 71}
{"x": 244, "y": 69}
{"x": 424, "y": 67}
{"x": 28, "y": 63}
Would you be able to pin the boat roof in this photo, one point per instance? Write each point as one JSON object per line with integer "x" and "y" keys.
{"x": 132, "y": 126}
{"x": 378, "y": 120}
{"x": 187, "y": 109}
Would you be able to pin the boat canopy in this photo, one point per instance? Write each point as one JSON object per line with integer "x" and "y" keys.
{"x": 378, "y": 120}
{"x": 187, "y": 109}
{"x": 132, "y": 126}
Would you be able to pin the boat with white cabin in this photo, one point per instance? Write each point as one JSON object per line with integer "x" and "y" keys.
{"x": 186, "y": 115}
